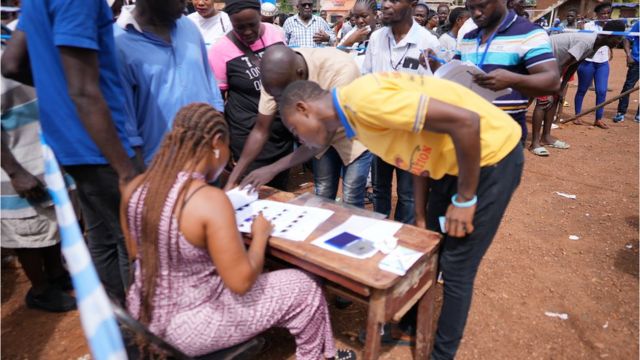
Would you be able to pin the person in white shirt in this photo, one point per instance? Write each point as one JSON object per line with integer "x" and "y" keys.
{"x": 468, "y": 25}
{"x": 213, "y": 24}
{"x": 448, "y": 41}
{"x": 396, "y": 47}
{"x": 349, "y": 24}
{"x": 595, "y": 69}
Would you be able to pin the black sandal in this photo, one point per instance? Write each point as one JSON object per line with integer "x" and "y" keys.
{"x": 345, "y": 354}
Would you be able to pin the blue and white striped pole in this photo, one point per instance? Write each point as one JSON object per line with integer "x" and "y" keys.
{"x": 599, "y": 32}
{"x": 96, "y": 314}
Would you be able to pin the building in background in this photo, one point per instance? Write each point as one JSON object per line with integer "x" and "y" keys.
{"x": 557, "y": 9}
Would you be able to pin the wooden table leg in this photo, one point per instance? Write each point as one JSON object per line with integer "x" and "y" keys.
{"x": 424, "y": 330}
{"x": 375, "y": 320}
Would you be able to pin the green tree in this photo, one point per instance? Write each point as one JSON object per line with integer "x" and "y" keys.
{"x": 285, "y": 7}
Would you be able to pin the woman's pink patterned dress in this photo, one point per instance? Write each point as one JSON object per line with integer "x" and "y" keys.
{"x": 193, "y": 310}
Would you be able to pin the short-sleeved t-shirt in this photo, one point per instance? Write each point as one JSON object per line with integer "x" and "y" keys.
{"x": 329, "y": 68}
{"x": 602, "y": 54}
{"x": 517, "y": 46}
{"x": 572, "y": 45}
{"x": 387, "y": 112}
{"x": 154, "y": 91}
{"x": 85, "y": 24}
{"x": 213, "y": 28}
{"x": 447, "y": 46}
{"x": 237, "y": 75}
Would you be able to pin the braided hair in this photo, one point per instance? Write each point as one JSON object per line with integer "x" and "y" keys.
{"x": 370, "y": 4}
{"x": 189, "y": 142}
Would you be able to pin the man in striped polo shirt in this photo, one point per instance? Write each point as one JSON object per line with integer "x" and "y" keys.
{"x": 515, "y": 54}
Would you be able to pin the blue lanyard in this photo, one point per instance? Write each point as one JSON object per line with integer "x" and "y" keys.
{"x": 486, "y": 50}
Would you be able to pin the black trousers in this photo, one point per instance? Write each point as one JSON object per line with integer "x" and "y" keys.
{"x": 100, "y": 203}
{"x": 460, "y": 257}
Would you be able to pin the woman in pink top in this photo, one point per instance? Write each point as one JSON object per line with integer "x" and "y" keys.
{"x": 235, "y": 61}
{"x": 195, "y": 285}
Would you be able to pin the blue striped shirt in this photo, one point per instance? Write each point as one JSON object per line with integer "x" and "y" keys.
{"x": 517, "y": 46}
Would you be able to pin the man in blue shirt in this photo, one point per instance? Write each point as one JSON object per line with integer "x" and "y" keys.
{"x": 81, "y": 112}
{"x": 515, "y": 54}
{"x": 631, "y": 44}
{"x": 163, "y": 65}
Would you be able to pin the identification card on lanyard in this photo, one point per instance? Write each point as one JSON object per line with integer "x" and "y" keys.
{"x": 480, "y": 64}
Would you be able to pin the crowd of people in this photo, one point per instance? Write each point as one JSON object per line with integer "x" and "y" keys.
{"x": 155, "y": 115}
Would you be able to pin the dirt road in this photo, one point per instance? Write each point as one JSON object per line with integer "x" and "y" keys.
{"x": 532, "y": 267}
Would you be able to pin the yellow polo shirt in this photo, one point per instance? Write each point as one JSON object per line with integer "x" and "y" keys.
{"x": 387, "y": 113}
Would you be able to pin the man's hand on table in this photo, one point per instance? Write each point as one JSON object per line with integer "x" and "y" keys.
{"x": 258, "y": 177}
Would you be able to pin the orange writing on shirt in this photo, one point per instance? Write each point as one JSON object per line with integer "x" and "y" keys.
{"x": 418, "y": 161}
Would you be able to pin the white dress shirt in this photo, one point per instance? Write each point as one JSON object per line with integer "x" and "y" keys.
{"x": 384, "y": 54}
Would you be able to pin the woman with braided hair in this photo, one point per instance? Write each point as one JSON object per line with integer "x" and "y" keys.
{"x": 364, "y": 13}
{"x": 195, "y": 285}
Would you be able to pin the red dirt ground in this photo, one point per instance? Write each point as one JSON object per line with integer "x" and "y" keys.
{"x": 532, "y": 266}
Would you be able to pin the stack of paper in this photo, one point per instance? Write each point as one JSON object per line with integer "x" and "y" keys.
{"x": 462, "y": 73}
{"x": 241, "y": 197}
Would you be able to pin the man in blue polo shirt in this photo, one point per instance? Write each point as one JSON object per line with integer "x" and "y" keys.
{"x": 631, "y": 44}
{"x": 163, "y": 66}
{"x": 515, "y": 54}
{"x": 70, "y": 43}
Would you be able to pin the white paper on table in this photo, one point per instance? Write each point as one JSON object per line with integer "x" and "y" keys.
{"x": 291, "y": 222}
{"x": 380, "y": 232}
{"x": 241, "y": 197}
{"x": 399, "y": 260}
{"x": 462, "y": 73}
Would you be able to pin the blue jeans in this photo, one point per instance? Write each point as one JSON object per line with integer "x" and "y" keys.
{"x": 381, "y": 178}
{"x": 587, "y": 72}
{"x": 326, "y": 176}
{"x": 630, "y": 82}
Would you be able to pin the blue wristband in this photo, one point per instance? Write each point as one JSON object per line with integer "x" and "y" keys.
{"x": 465, "y": 204}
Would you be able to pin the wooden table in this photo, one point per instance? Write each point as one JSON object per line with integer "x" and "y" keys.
{"x": 387, "y": 295}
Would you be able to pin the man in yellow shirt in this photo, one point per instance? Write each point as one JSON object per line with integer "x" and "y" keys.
{"x": 432, "y": 128}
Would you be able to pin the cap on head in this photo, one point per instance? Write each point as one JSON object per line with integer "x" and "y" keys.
{"x": 268, "y": 10}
